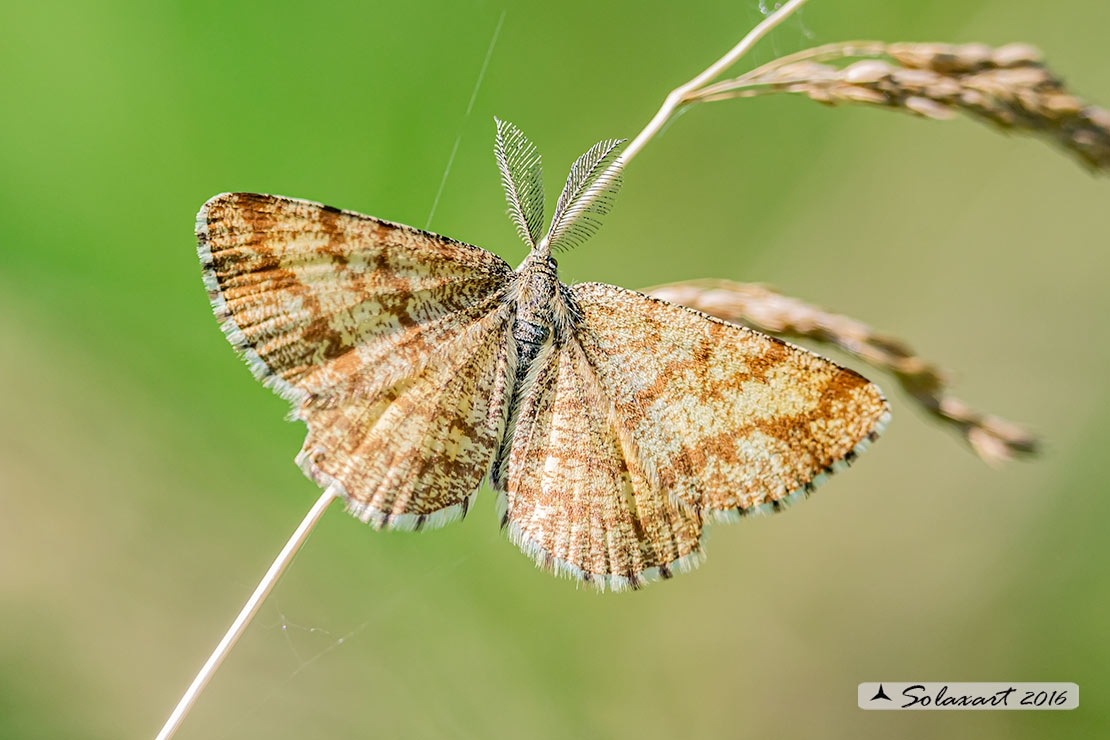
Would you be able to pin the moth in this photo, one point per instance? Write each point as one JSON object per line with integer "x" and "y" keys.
{"x": 613, "y": 425}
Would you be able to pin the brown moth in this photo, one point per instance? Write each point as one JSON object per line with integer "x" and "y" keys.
{"x": 614, "y": 425}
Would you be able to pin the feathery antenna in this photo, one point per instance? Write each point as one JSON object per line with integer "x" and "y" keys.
{"x": 522, "y": 177}
{"x": 591, "y": 187}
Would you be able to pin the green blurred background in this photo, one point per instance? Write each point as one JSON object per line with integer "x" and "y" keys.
{"x": 146, "y": 480}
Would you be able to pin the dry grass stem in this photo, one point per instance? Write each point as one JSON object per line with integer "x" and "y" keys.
{"x": 994, "y": 440}
{"x": 1008, "y": 86}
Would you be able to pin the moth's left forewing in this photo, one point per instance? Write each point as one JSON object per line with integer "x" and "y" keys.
{"x": 723, "y": 418}
{"x": 390, "y": 341}
{"x": 310, "y": 294}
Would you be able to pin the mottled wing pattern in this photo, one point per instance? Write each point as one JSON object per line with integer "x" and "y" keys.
{"x": 388, "y": 340}
{"x": 722, "y": 418}
{"x": 414, "y": 454}
{"x": 575, "y": 499}
{"x": 312, "y": 295}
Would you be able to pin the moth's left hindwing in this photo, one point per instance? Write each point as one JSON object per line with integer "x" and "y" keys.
{"x": 388, "y": 340}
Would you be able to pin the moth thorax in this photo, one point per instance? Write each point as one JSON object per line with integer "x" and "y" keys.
{"x": 535, "y": 302}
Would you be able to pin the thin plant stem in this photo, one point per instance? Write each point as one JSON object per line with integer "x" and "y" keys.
{"x": 679, "y": 97}
{"x": 246, "y": 614}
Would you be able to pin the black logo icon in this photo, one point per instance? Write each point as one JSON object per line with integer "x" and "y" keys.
{"x": 881, "y": 694}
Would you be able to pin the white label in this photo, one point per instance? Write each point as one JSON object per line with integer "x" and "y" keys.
{"x": 944, "y": 695}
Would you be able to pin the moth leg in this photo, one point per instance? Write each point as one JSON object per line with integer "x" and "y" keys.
{"x": 993, "y": 439}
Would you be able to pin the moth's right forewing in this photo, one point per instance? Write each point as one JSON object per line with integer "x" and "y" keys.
{"x": 723, "y": 418}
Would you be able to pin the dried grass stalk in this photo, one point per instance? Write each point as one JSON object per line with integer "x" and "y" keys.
{"x": 994, "y": 440}
{"x": 1008, "y": 86}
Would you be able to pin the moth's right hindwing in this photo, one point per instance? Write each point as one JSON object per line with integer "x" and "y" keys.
{"x": 644, "y": 417}
{"x": 575, "y": 499}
